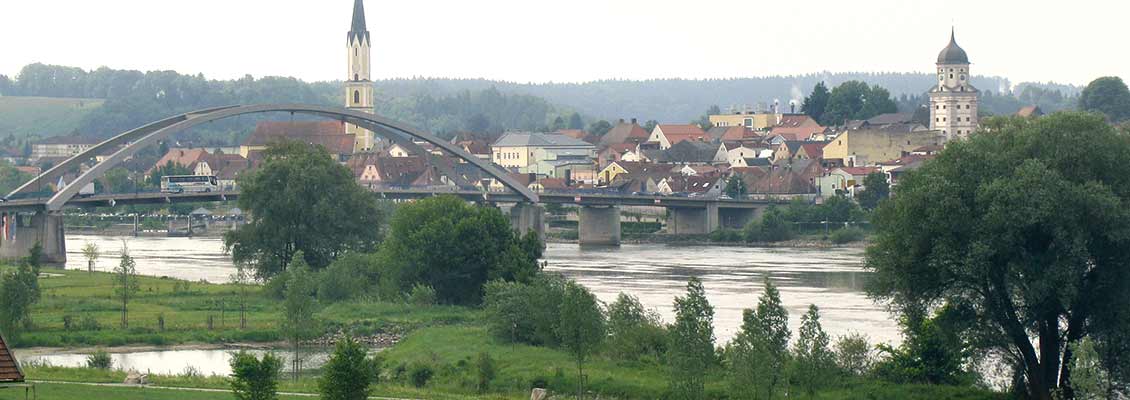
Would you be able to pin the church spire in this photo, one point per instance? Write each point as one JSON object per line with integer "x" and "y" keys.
{"x": 358, "y": 30}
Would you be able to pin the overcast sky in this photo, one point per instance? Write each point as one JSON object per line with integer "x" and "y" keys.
{"x": 570, "y": 41}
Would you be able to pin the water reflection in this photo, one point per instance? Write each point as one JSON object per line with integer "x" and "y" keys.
{"x": 174, "y": 362}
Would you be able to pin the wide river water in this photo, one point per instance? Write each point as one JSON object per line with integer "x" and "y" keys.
{"x": 832, "y": 279}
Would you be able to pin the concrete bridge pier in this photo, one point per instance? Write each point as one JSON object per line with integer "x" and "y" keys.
{"x": 599, "y": 226}
{"x": 737, "y": 218}
{"x": 42, "y": 227}
{"x": 526, "y": 217}
{"x": 693, "y": 221}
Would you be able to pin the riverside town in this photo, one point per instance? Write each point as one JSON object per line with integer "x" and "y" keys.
{"x": 597, "y": 199}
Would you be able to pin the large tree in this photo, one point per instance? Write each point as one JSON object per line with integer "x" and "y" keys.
{"x": 300, "y": 199}
{"x": 455, "y": 248}
{"x": 691, "y": 350}
{"x": 1030, "y": 235}
{"x": 857, "y": 100}
{"x": 760, "y": 351}
{"x": 816, "y": 102}
{"x": 582, "y": 327}
{"x": 1107, "y": 95}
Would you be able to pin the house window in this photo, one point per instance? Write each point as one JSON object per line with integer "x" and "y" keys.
{"x": 356, "y": 77}
{"x": 951, "y": 76}
{"x": 943, "y": 107}
{"x": 356, "y": 97}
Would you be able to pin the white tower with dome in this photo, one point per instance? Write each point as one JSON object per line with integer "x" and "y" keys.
{"x": 953, "y": 101}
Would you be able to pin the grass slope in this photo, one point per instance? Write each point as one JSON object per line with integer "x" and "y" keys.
{"x": 43, "y": 116}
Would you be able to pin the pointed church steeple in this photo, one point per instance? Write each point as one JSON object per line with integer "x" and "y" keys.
{"x": 358, "y": 30}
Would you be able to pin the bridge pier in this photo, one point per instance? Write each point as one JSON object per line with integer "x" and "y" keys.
{"x": 693, "y": 221}
{"x": 599, "y": 226}
{"x": 43, "y": 228}
{"x": 737, "y": 218}
{"x": 525, "y": 217}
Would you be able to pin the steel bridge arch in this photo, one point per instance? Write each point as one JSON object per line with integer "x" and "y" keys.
{"x": 148, "y": 135}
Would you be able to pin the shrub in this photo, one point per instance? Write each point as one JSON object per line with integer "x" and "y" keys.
{"x": 346, "y": 277}
{"x": 422, "y": 295}
{"x": 348, "y": 373}
{"x": 634, "y": 331}
{"x": 100, "y": 359}
{"x": 773, "y": 227}
{"x": 846, "y": 235}
{"x": 854, "y": 354}
{"x": 70, "y": 322}
{"x": 726, "y": 236}
{"x": 525, "y": 313}
{"x": 255, "y": 379}
{"x": 485, "y": 371}
{"x": 88, "y": 323}
{"x": 420, "y": 373}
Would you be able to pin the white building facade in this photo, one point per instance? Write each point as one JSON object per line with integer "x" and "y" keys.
{"x": 953, "y": 101}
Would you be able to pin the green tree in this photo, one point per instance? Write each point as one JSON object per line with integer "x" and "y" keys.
{"x": 599, "y": 128}
{"x": 773, "y": 227}
{"x": 815, "y": 361}
{"x": 301, "y": 200}
{"x": 299, "y": 306}
{"x": 125, "y": 283}
{"x": 703, "y": 121}
{"x": 1107, "y": 95}
{"x": 253, "y": 378}
{"x": 575, "y": 121}
{"x": 634, "y": 331}
{"x": 691, "y": 348}
{"x": 119, "y": 180}
{"x": 485, "y": 371}
{"x": 19, "y": 291}
{"x": 349, "y": 372}
{"x": 90, "y": 252}
{"x": 760, "y": 351}
{"x": 427, "y": 244}
{"x": 876, "y": 189}
{"x": 816, "y": 102}
{"x": 558, "y": 124}
{"x": 856, "y": 100}
{"x": 736, "y": 187}
{"x": 1028, "y": 235}
{"x": 854, "y": 354}
{"x": 582, "y": 329}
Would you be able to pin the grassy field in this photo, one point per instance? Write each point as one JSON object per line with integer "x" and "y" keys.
{"x": 43, "y": 116}
{"x": 186, "y": 307}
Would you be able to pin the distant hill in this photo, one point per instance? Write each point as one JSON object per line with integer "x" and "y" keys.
{"x": 682, "y": 100}
{"x": 43, "y": 116}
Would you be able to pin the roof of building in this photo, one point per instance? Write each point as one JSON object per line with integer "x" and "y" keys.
{"x": 624, "y": 132}
{"x": 183, "y": 157}
{"x": 782, "y": 181}
{"x": 891, "y": 118}
{"x": 691, "y": 184}
{"x": 729, "y": 133}
{"x": 358, "y": 30}
{"x": 578, "y": 134}
{"x": 688, "y": 151}
{"x": 475, "y": 146}
{"x": 73, "y": 139}
{"x": 552, "y": 183}
{"x": 813, "y": 149}
{"x": 528, "y": 139}
{"x": 953, "y": 54}
{"x": 1030, "y": 111}
{"x": 860, "y": 171}
{"x": 9, "y": 367}
{"x": 676, "y": 133}
{"x": 328, "y": 134}
{"x": 642, "y": 169}
{"x": 906, "y": 160}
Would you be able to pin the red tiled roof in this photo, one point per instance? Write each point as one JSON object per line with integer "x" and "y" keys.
{"x": 328, "y": 134}
{"x": 573, "y": 133}
{"x": 9, "y": 367}
{"x": 857, "y": 171}
{"x": 624, "y": 133}
{"x": 183, "y": 157}
{"x": 814, "y": 149}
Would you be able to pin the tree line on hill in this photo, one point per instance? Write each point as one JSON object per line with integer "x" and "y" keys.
{"x": 134, "y": 98}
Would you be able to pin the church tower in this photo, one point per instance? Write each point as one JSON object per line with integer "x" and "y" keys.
{"x": 358, "y": 86}
{"x": 953, "y": 102}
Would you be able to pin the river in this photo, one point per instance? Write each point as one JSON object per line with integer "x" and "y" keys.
{"x": 832, "y": 279}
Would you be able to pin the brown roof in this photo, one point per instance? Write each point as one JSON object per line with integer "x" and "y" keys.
{"x": 1030, "y": 111}
{"x": 691, "y": 184}
{"x": 859, "y": 171}
{"x": 552, "y": 183}
{"x": 328, "y": 134}
{"x": 475, "y": 146}
{"x": 814, "y": 149}
{"x": 624, "y": 133}
{"x": 681, "y": 132}
{"x": 183, "y": 157}
{"x": 800, "y": 126}
{"x": 9, "y": 367}
{"x": 573, "y": 133}
{"x": 782, "y": 181}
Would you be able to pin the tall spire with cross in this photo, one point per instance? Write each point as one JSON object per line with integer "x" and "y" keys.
{"x": 358, "y": 84}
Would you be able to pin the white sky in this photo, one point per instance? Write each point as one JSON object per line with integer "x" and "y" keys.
{"x": 570, "y": 41}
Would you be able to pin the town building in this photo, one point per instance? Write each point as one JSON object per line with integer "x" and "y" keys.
{"x": 623, "y": 133}
{"x": 669, "y": 135}
{"x": 953, "y": 101}
{"x": 358, "y": 83}
{"x": 872, "y": 144}
{"x": 844, "y": 180}
{"x": 555, "y": 156}
{"x": 327, "y": 134}
{"x": 61, "y": 147}
{"x": 797, "y": 127}
{"x": 748, "y": 119}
